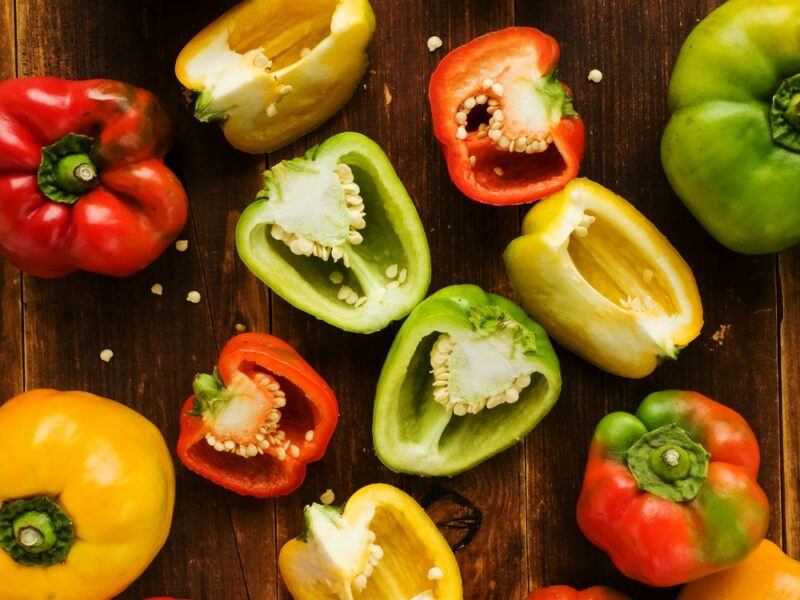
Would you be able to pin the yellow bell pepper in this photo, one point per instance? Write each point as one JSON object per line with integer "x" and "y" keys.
{"x": 270, "y": 71}
{"x": 767, "y": 574}
{"x": 382, "y": 546}
{"x": 86, "y": 496}
{"x": 603, "y": 281}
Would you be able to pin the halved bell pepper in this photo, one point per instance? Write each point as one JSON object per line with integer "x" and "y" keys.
{"x": 82, "y": 179}
{"x": 255, "y": 423}
{"x": 563, "y": 592}
{"x": 341, "y": 202}
{"x": 380, "y": 546}
{"x": 732, "y": 148}
{"x": 767, "y": 574}
{"x": 468, "y": 375}
{"x": 86, "y": 496}
{"x": 270, "y": 71}
{"x": 671, "y": 493}
{"x": 505, "y": 122}
{"x": 603, "y": 281}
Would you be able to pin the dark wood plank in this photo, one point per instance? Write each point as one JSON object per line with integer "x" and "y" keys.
{"x": 635, "y": 46}
{"x": 159, "y": 342}
{"x": 790, "y": 396}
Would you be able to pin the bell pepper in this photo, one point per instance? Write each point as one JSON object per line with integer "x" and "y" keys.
{"x": 505, "y": 122}
{"x": 254, "y": 424}
{"x": 341, "y": 201}
{"x": 82, "y": 181}
{"x": 562, "y": 592}
{"x": 732, "y": 148}
{"x": 468, "y": 375}
{"x": 767, "y": 574}
{"x": 270, "y": 71}
{"x": 603, "y": 281}
{"x": 380, "y": 546}
{"x": 86, "y": 496}
{"x": 671, "y": 493}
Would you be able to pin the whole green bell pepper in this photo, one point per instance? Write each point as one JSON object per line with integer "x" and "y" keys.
{"x": 732, "y": 148}
{"x": 336, "y": 234}
{"x": 468, "y": 375}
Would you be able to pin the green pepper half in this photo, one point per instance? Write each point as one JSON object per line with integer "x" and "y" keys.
{"x": 732, "y": 148}
{"x": 468, "y": 375}
{"x": 336, "y": 234}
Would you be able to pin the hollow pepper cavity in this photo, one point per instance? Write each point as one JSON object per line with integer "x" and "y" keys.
{"x": 270, "y": 71}
{"x": 732, "y": 148}
{"x": 335, "y": 234}
{"x": 603, "y": 281}
{"x": 671, "y": 493}
{"x": 505, "y": 122}
{"x": 563, "y": 592}
{"x": 255, "y": 423}
{"x": 468, "y": 375}
{"x": 86, "y": 498}
{"x": 82, "y": 181}
{"x": 381, "y": 545}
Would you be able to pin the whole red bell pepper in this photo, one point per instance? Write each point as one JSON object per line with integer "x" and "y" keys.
{"x": 255, "y": 423}
{"x": 505, "y": 122}
{"x": 563, "y": 592}
{"x": 82, "y": 182}
{"x": 671, "y": 493}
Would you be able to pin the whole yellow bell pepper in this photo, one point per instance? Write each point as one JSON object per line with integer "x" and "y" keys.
{"x": 603, "y": 281}
{"x": 270, "y": 71}
{"x": 86, "y": 496}
{"x": 382, "y": 546}
{"x": 767, "y": 574}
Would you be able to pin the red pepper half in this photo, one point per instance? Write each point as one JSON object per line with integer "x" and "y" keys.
{"x": 671, "y": 493}
{"x": 505, "y": 122}
{"x": 563, "y": 592}
{"x": 255, "y": 423}
{"x": 82, "y": 182}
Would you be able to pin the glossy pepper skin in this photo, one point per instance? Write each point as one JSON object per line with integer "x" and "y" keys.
{"x": 732, "y": 148}
{"x": 82, "y": 182}
{"x": 258, "y": 377}
{"x": 671, "y": 493}
{"x": 603, "y": 281}
{"x": 767, "y": 574}
{"x": 270, "y": 71}
{"x": 339, "y": 209}
{"x": 563, "y": 592}
{"x": 513, "y": 73}
{"x": 100, "y": 487}
{"x": 382, "y": 543}
{"x": 491, "y": 345}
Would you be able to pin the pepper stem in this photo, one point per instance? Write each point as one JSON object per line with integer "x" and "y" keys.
{"x": 792, "y": 113}
{"x": 785, "y": 114}
{"x": 67, "y": 170}
{"x": 35, "y": 531}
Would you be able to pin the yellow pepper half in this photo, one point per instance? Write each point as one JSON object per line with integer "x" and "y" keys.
{"x": 767, "y": 574}
{"x": 382, "y": 546}
{"x": 270, "y": 71}
{"x": 603, "y": 281}
{"x": 86, "y": 496}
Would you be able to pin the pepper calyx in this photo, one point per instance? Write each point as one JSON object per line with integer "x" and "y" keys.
{"x": 67, "y": 170}
{"x": 35, "y": 531}
{"x": 209, "y": 393}
{"x": 490, "y": 319}
{"x": 206, "y": 111}
{"x": 785, "y": 114}
{"x": 668, "y": 463}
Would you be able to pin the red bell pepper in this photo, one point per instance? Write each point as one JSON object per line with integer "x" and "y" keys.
{"x": 255, "y": 423}
{"x": 505, "y": 122}
{"x": 82, "y": 182}
{"x": 671, "y": 493}
{"x": 563, "y": 592}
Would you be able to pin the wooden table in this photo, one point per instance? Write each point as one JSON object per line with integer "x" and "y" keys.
{"x": 223, "y": 546}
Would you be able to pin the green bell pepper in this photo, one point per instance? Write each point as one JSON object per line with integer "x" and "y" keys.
{"x": 342, "y": 202}
{"x": 732, "y": 148}
{"x": 468, "y": 375}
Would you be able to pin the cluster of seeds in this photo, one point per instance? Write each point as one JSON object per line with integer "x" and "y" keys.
{"x": 260, "y": 60}
{"x": 582, "y": 230}
{"x": 355, "y": 212}
{"x": 375, "y": 556}
{"x": 637, "y": 304}
{"x": 394, "y": 273}
{"x": 440, "y": 362}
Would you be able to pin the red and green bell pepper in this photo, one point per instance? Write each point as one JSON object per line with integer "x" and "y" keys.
{"x": 82, "y": 181}
{"x": 468, "y": 375}
{"x": 255, "y": 423}
{"x": 505, "y": 122}
{"x": 671, "y": 493}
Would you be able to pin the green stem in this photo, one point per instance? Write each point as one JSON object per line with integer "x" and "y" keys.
{"x": 35, "y": 531}
{"x": 67, "y": 170}
{"x": 785, "y": 114}
{"x": 792, "y": 113}
{"x": 76, "y": 173}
